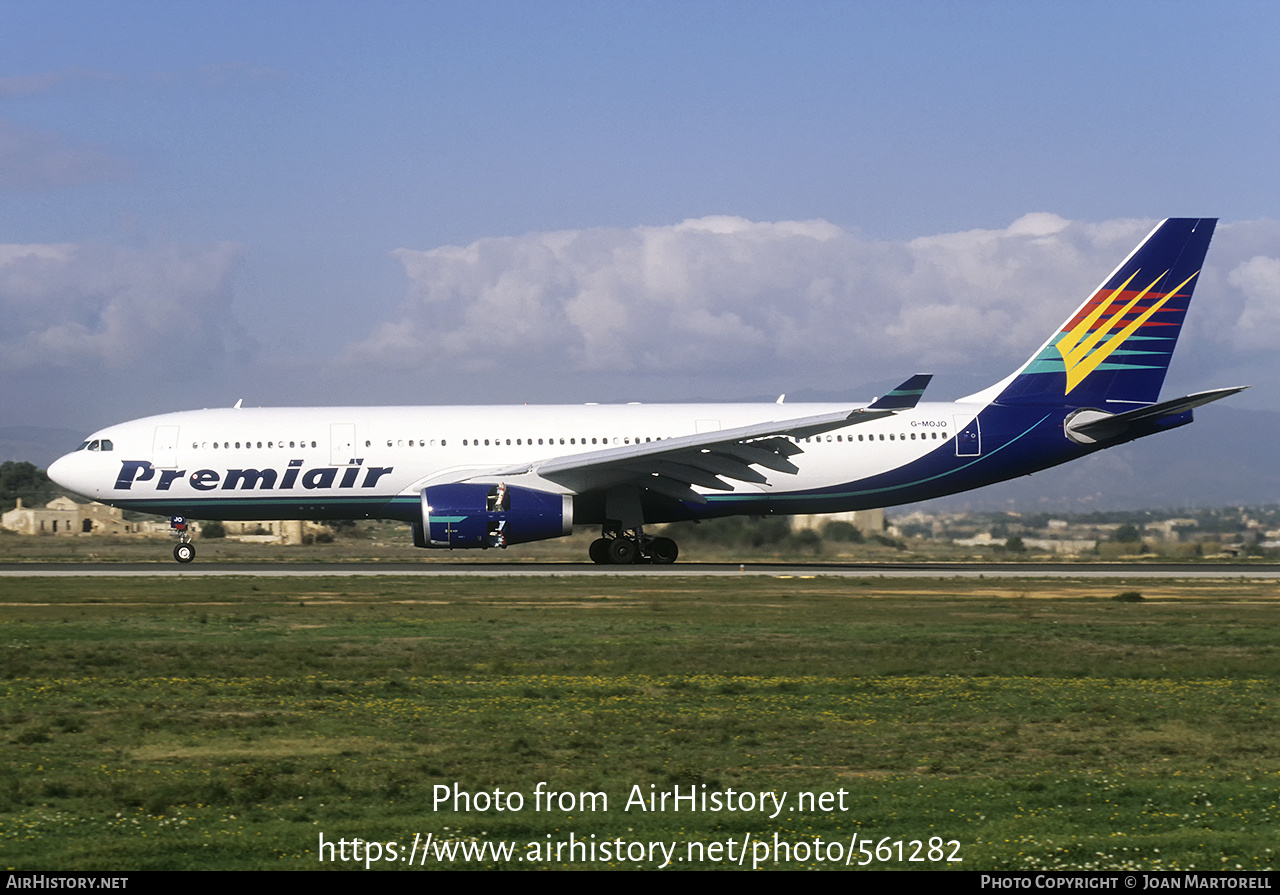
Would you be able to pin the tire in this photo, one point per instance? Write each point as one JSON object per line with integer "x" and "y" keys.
{"x": 599, "y": 551}
{"x": 623, "y": 551}
{"x": 184, "y": 553}
{"x": 663, "y": 551}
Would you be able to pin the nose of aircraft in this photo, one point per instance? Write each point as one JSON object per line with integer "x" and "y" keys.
{"x": 58, "y": 470}
{"x": 69, "y": 472}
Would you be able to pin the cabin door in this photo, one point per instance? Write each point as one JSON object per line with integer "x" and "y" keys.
{"x": 342, "y": 444}
{"x": 968, "y": 438}
{"x": 164, "y": 449}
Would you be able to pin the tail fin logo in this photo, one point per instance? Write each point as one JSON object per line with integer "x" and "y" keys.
{"x": 1103, "y": 330}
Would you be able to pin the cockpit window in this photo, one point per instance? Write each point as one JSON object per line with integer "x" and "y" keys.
{"x": 83, "y": 445}
{"x": 107, "y": 445}
{"x": 94, "y": 445}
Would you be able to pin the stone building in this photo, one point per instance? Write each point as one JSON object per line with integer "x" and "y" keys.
{"x": 62, "y": 516}
{"x": 869, "y": 522}
{"x": 287, "y": 531}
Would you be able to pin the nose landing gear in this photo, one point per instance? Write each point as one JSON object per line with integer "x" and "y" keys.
{"x": 184, "y": 551}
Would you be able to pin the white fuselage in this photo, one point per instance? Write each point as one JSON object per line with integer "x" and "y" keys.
{"x": 237, "y": 463}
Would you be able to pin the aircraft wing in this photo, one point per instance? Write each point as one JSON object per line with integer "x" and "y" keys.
{"x": 673, "y": 466}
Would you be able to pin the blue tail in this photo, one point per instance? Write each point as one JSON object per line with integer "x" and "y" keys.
{"x": 1114, "y": 351}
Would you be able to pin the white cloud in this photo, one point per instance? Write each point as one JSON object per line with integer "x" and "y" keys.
{"x": 707, "y": 308}
{"x": 1258, "y": 326}
{"x": 762, "y": 305}
{"x": 76, "y": 308}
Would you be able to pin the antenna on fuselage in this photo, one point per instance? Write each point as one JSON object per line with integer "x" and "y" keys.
{"x": 237, "y": 404}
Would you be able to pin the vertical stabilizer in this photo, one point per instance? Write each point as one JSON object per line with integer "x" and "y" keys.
{"x": 1114, "y": 351}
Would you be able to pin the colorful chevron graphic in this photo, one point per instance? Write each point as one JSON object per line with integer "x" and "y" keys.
{"x": 1103, "y": 328}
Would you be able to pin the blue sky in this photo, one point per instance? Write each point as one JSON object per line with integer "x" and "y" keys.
{"x": 300, "y": 203}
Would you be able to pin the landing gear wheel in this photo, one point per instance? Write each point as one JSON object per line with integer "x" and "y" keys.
{"x": 663, "y": 551}
{"x": 184, "y": 553}
{"x": 623, "y": 551}
{"x": 599, "y": 551}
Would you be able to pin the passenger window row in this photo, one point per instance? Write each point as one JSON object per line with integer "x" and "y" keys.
{"x": 934, "y": 435}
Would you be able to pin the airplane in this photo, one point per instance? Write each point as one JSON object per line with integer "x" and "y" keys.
{"x": 492, "y": 476}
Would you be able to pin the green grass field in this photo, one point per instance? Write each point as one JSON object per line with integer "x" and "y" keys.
{"x": 231, "y": 722}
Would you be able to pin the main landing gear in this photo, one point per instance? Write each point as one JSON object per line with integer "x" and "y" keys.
{"x": 184, "y": 551}
{"x": 625, "y": 547}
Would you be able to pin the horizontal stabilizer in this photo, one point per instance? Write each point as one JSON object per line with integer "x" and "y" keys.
{"x": 1088, "y": 426}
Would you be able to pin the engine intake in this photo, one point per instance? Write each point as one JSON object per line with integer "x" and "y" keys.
{"x": 472, "y": 515}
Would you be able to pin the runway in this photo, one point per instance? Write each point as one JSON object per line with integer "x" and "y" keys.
{"x": 1253, "y": 571}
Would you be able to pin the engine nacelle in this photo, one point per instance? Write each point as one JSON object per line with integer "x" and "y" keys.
{"x": 476, "y": 515}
